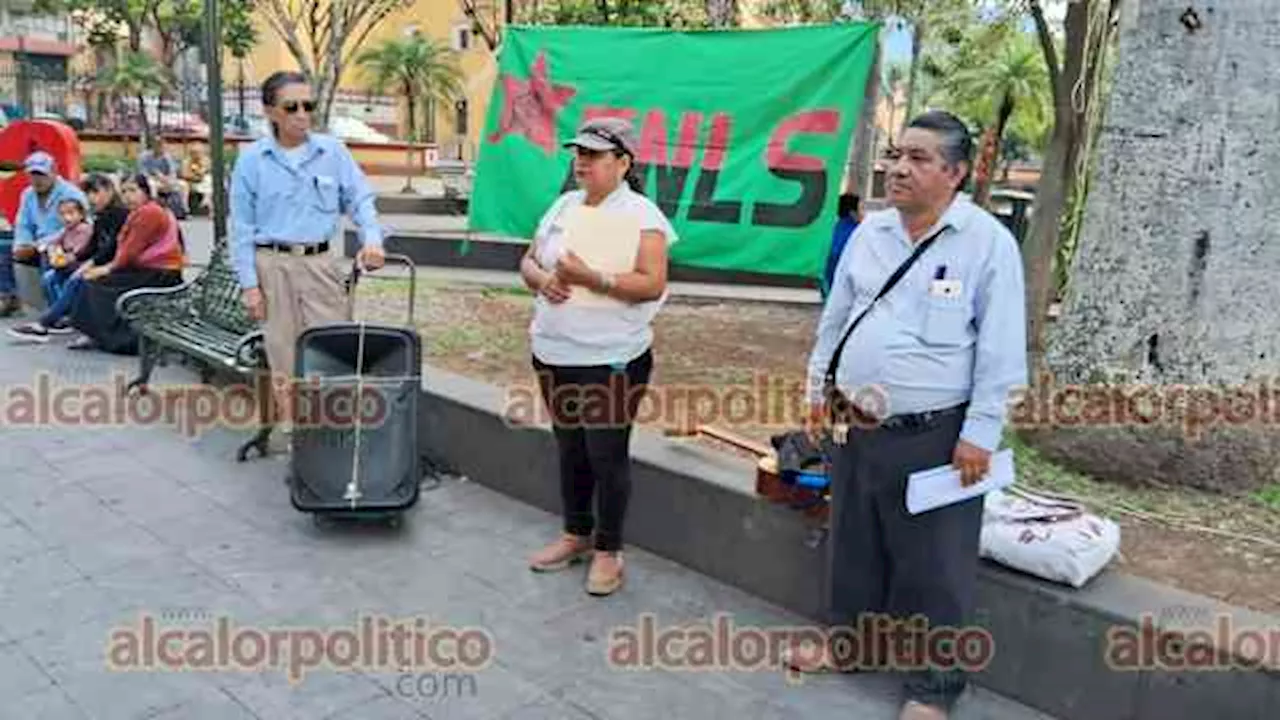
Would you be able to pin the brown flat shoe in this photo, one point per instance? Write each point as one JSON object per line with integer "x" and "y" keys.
{"x": 601, "y": 580}
{"x": 912, "y": 710}
{"x": 566, "y": 551}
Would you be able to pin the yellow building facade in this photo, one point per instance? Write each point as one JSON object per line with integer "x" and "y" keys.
{"x": 455, "y": 128}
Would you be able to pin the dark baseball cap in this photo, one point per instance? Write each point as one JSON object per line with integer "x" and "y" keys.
{"x": 604, "y": 134}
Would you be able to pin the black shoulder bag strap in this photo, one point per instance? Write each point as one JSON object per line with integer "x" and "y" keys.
{"x": 829, "y": 380}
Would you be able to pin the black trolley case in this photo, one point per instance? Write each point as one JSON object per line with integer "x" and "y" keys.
{"x": 353, "y": 464}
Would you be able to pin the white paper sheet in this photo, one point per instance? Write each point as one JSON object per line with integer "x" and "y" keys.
{"x": 607, "y": 241}
{"x": 940, "y": 486}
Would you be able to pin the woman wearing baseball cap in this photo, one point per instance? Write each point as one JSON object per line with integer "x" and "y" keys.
{"x": 600, "y": 350}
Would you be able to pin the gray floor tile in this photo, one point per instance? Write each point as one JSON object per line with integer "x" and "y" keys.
{"x": 49, "y": 704}
{"x": 269, "y": 694}
{"x": 382, "y": 708}
{"x": 212, "y": 706}
{"x": 126, "y": 696}
{"x": 548, "y": 709}
{"x": 19, "y": 674}
{"x": 16, "y": 539}
{"x": 112, "y": 548}
{"x": 29, "y": 614}
{"x": 36, "y": 573}
{"x": 72, "y": 650}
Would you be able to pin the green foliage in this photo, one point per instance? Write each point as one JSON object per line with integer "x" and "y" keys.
{"x": 105, "y": 164}
{"x": 239, "y": 35}
{"x": 971, "y": 76}
{"x": 1269, "y": 496}
{"x": 803, "y": 11}
{"x": 135, "y": 74}
{"x": 660, "y": 13}
{"x": 418, "y": 67}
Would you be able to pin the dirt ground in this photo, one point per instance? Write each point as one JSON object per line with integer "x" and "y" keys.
{"x": 741, "y": 365}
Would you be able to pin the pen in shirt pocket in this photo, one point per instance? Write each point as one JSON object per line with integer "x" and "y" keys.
{"x": 941, "y": 273}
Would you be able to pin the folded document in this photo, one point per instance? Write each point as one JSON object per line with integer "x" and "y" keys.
{"x": 940, "y": 486}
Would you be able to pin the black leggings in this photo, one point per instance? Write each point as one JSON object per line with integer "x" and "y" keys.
{"x": 592, "y": 409}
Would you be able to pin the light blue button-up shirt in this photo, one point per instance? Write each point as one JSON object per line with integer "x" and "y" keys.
{"x": 929, "y": 345}
{"x": 272, "y": 200}
{"x": 35, "y": 221}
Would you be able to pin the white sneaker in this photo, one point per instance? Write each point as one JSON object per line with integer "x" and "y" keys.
{"x": 30, "y": 332}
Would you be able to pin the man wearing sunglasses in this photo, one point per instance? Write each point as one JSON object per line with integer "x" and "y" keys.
{"x": 289, "y": 191}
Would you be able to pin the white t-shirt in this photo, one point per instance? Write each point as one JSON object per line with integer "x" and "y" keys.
{"x": 574, "y": 335}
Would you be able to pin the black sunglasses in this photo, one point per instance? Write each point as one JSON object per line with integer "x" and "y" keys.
{"x": 292, "y": 106}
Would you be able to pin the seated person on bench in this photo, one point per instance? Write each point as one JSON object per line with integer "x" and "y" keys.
{"x": 37, "y": 220}
{"x": 164, "y": 171}
{"x": 96, "y": 248}
{"x": 149, "y": 253}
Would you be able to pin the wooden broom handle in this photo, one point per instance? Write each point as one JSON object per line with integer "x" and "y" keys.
{"x": 735, "y": 440}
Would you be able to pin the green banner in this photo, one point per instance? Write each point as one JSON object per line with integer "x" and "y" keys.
{"x": 743, "y": 135}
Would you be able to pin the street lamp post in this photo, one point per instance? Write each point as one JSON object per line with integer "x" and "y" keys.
{"x": 213, "y": 66}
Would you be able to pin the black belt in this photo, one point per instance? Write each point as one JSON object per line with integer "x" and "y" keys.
{"x": 296, "y": 248}
{"x": 908, "y": 421}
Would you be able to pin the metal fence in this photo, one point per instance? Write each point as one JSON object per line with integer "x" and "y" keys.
{"x": 84, "y": 101}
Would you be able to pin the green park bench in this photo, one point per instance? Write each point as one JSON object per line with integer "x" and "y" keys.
{"x": 204, "y": 322}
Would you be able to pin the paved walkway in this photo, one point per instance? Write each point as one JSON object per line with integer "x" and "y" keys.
{"x": 101, "y": 525}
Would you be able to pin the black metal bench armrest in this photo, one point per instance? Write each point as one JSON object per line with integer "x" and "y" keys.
{"x": 251, "y": 351}
{"x": 155, "y": 304}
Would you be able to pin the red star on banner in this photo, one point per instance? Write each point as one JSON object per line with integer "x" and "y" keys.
{"x": 529, "y": 107}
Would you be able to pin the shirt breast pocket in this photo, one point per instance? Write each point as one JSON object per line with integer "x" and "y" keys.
{"x": 326, "y": 195}
{"x": 945, "y": 321}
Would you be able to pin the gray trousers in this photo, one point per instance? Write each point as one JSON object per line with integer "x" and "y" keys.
{"x": 888, "y": 563}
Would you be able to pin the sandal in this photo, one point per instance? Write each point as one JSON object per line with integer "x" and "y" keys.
{"x": 601, "y": 582}
{"x": 566, "y": 551}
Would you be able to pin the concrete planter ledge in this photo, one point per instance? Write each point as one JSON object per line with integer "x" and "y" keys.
{"x": 698, "y": 508}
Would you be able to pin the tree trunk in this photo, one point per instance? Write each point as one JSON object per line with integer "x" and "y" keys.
{"x": 1056, "y": 178}
{"x": 990, "y": 153}
{"x": 241, "y": 91}
{"x": 917, "y": 39}
{"x": 142, "y": 118}
{"x": 412, "y": 100}
{"x": 862, "y": 155}
{"x": 722, "y": 13}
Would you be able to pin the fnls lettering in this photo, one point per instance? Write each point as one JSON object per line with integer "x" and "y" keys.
{"x": 669, "y": 165}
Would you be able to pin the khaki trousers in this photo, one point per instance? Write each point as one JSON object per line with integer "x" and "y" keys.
{"x": 300, "y": 291}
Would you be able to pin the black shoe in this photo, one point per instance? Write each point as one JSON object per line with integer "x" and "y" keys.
{"x": 61, "y": 327}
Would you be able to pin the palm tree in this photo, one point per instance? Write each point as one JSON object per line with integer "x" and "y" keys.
{"x": 1014, "y": 78}
{"x": 136, "y": 75}
{"x": 421, "y": 69}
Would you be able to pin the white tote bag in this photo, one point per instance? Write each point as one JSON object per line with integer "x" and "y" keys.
{"x": 1051, "y": 538}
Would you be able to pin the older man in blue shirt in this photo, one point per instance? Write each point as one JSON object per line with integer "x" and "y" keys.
{"x": 288, "y": 193}
{"x": 37, "y": 221}
{"x": 926, "y": 378}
